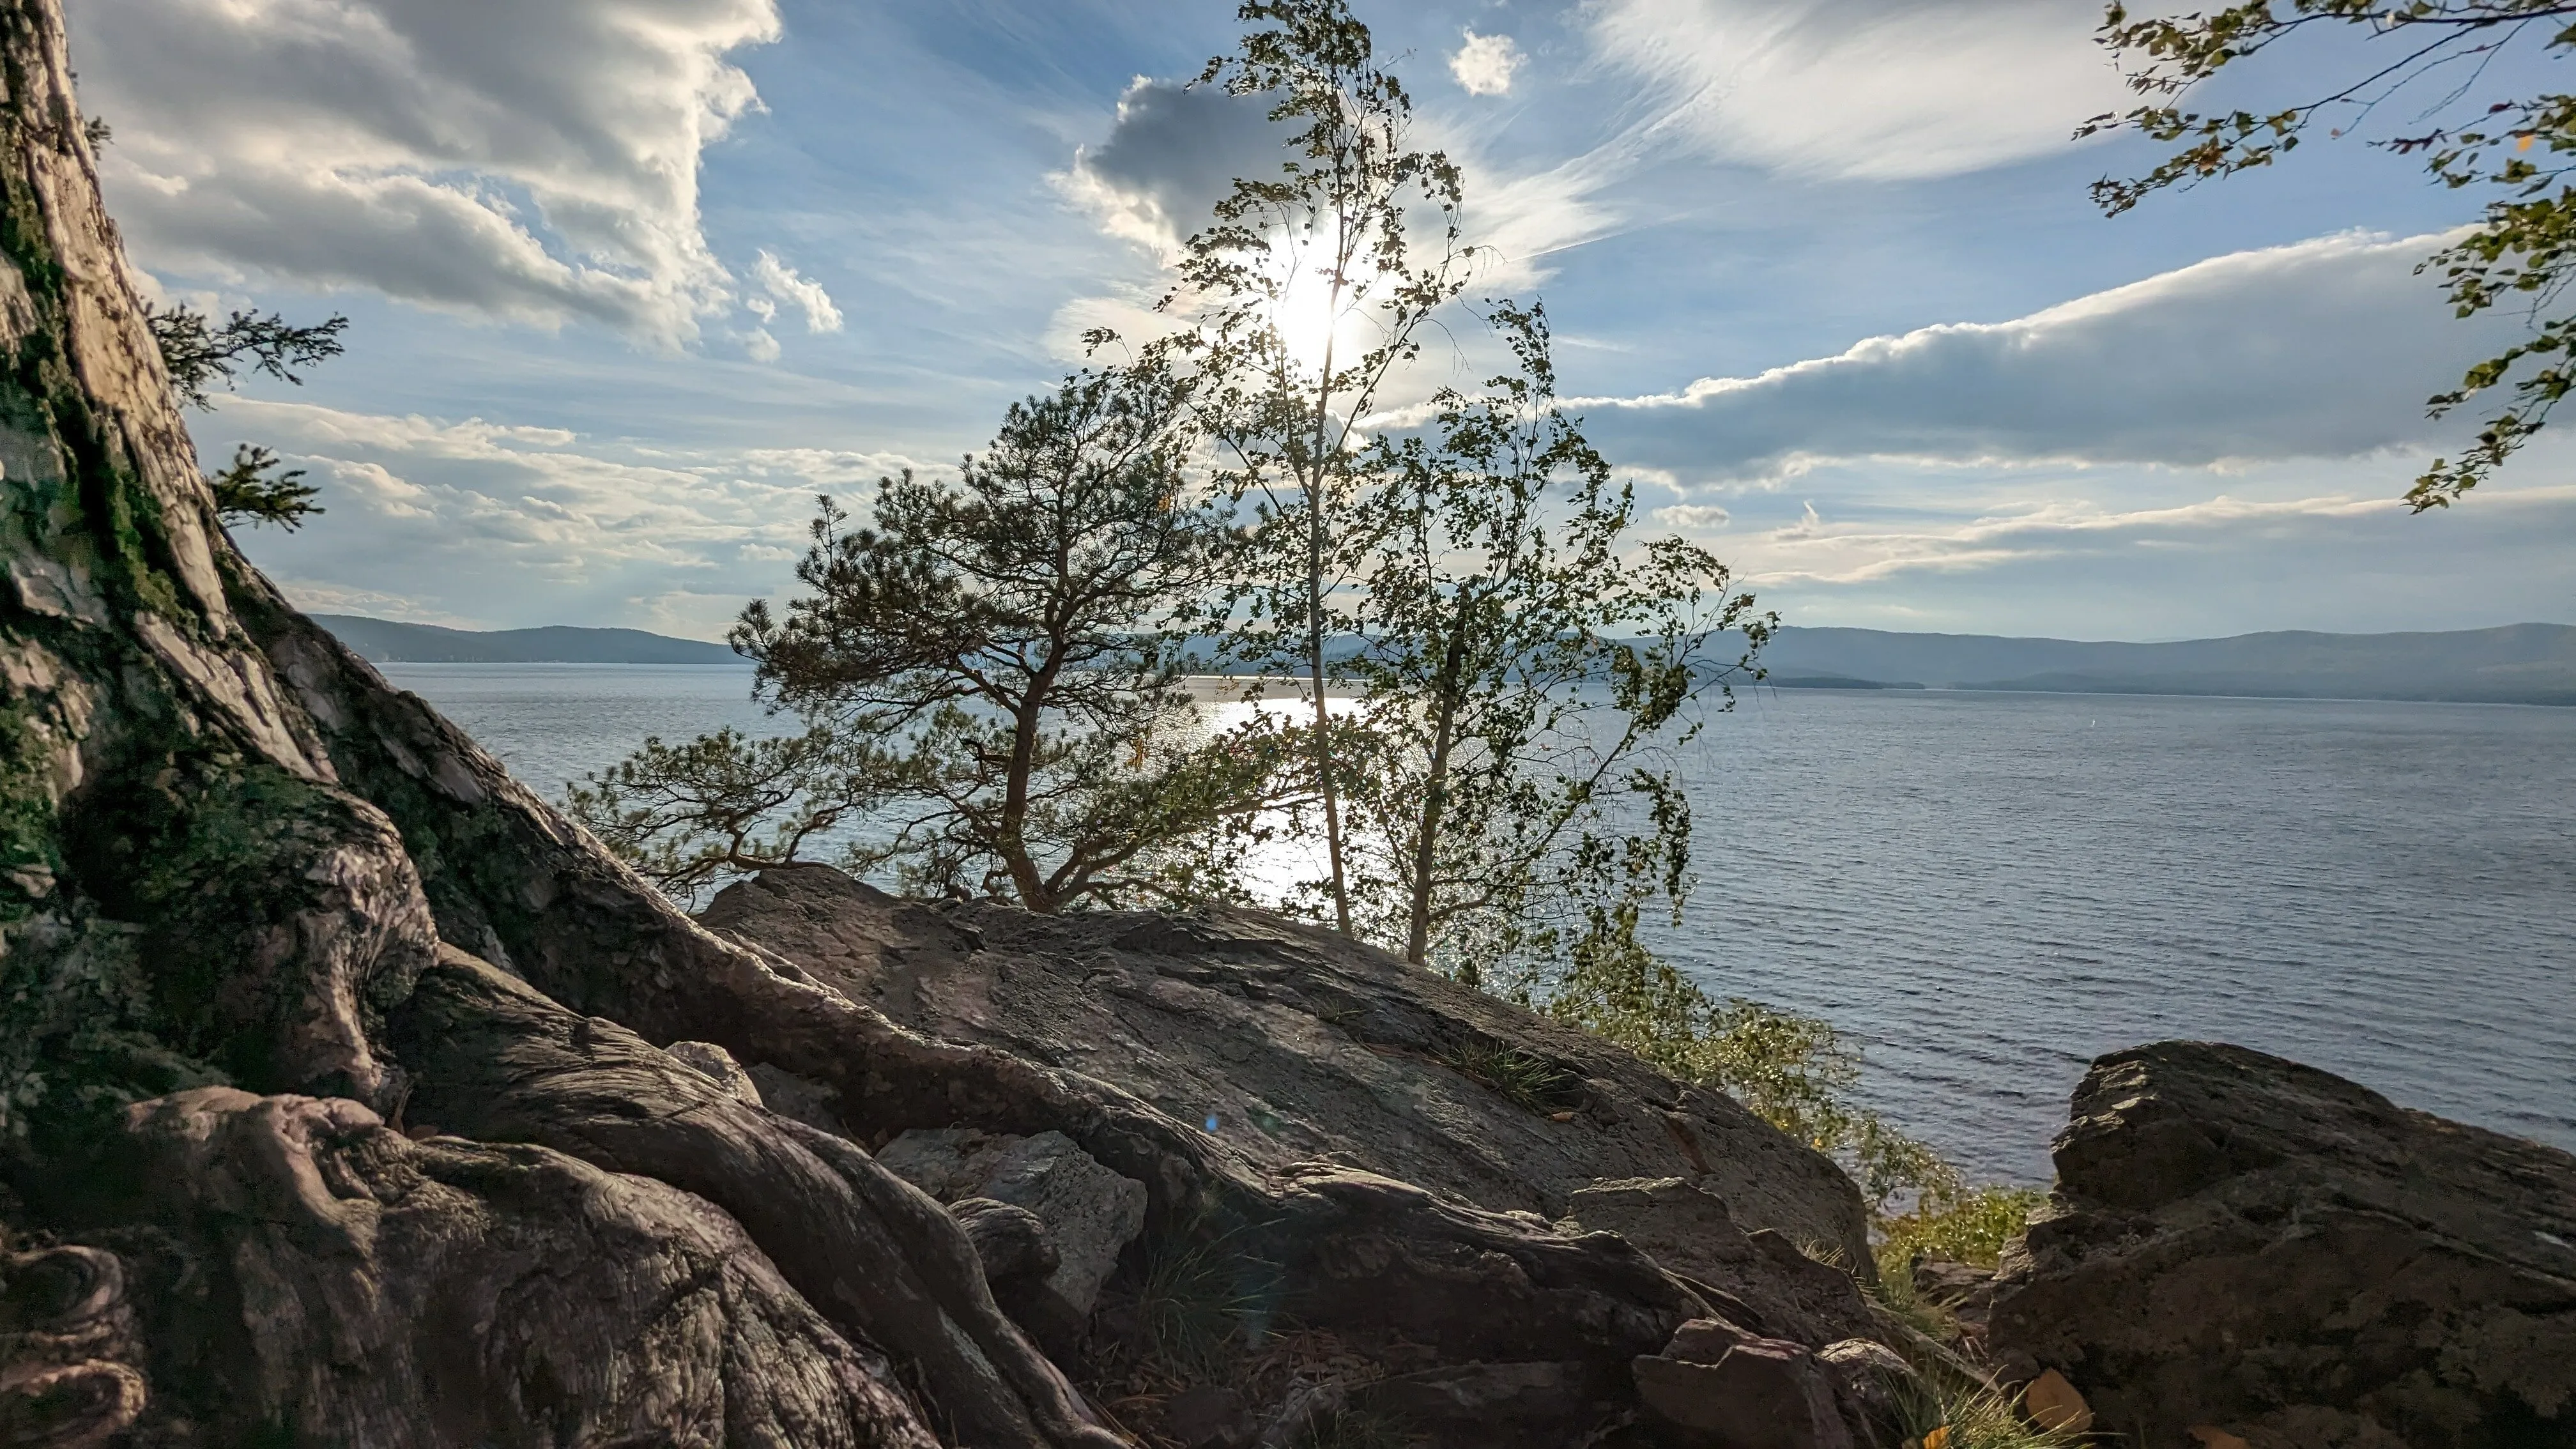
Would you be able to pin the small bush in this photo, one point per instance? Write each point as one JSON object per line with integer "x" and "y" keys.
{"x": 1201, "y": 1302}
{"x": 1966, "y": 1224}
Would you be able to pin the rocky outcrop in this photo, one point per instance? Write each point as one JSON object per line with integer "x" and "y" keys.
{"x": 1290, "y": 1044}
{"x": 1089, "y": 1213}
{"x": 2242, "y": 1246}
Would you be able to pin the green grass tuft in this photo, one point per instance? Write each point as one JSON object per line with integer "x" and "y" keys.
{"x": 1978, "y": 1419}
{"x": 1202, "y": 1303}
{"x": 1532, "y": 1081}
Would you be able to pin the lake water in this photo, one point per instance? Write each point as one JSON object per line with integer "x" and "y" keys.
{"x": 1986, "y": 890}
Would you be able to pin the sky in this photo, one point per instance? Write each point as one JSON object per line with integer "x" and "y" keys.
{"x": 630, "y": 281}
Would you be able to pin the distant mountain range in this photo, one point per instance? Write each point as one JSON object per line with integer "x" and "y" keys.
{"x": 387, "y": 642}
{"x": 2517, "y": 664}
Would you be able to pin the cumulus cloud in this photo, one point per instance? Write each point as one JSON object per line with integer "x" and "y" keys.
{"x": 533, "y": 162}
{"x": 783, "y": 284}
{"x": 2323, "y": 349}
{"x": 1869, "y": 89}
{"x": 1484, "y": 64}
{"x": 1174, "y": 152}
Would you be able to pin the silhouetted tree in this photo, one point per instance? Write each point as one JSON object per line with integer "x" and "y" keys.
{"x": 991, "y": 674}
{"x": 1305, "y": 295}
{"x": 200, "y": 355}
{"x": 1529, "y": 667}
{"x": 253, "y": 489}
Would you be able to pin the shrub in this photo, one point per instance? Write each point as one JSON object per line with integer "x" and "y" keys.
{"x": 1965, "y": 1224}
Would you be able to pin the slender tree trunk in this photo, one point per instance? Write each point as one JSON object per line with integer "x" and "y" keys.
{"x": 1435, "y": 797}
{"x": 1013, "y": 844}
{"x": 1317, "y": 540}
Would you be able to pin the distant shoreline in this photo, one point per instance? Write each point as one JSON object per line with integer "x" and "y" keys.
{"x": 2515, "y": 664}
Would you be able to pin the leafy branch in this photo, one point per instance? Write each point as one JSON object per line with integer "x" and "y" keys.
{"x": 200, "y": 356}
{"x": 2523, "y": 249}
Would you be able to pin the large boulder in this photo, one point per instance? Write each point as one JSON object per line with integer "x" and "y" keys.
{"x": 1292, "y": 1044}
{"x": 2244, "y": 1245}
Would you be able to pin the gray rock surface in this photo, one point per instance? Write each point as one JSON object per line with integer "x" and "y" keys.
{"x": 2259, "y": 1247}
{"x": 1504, "y": 1405}
{"x": 1718, "y": 1388}
{"x": 1760, "y": 1280}
{"x": 1091, "y": 1213}
{"x": 1296, "y": 1044}
{"x": 719, "y": 1067}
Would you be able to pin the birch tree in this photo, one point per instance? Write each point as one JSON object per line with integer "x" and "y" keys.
{"x": 1306, "y": 295}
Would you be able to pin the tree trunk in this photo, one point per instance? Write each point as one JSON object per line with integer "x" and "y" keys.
{"x": 1435, "y": 794}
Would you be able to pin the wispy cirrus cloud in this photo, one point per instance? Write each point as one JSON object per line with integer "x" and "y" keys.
{"x": 1817, "y": 551}
{"x": 1864, "y": 89}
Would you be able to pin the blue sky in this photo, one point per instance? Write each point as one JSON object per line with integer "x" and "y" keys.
{"x": 629, "y": 280}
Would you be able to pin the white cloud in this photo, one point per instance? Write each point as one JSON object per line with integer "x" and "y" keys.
{"x": 1693, "y": 517}
{"x": 2323, "y": 349}
{"x": 1814, "y": 550}
{"x": 316, "y": 597}
{"x": 1174, "y": 152}
{"x": 783, "y": 284}
{"x": 533, "y": 162}
{"x": 1484, "y": 64}
{"x": 1868, "y": 89}
{"x": 526, "y": 525}
{"x": 2128, "y": 553}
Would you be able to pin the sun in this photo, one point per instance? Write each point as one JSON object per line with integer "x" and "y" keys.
{"x": 1319, "y": 319}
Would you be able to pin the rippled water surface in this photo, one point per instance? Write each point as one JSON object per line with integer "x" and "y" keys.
{"x": 1986, "y": 890}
